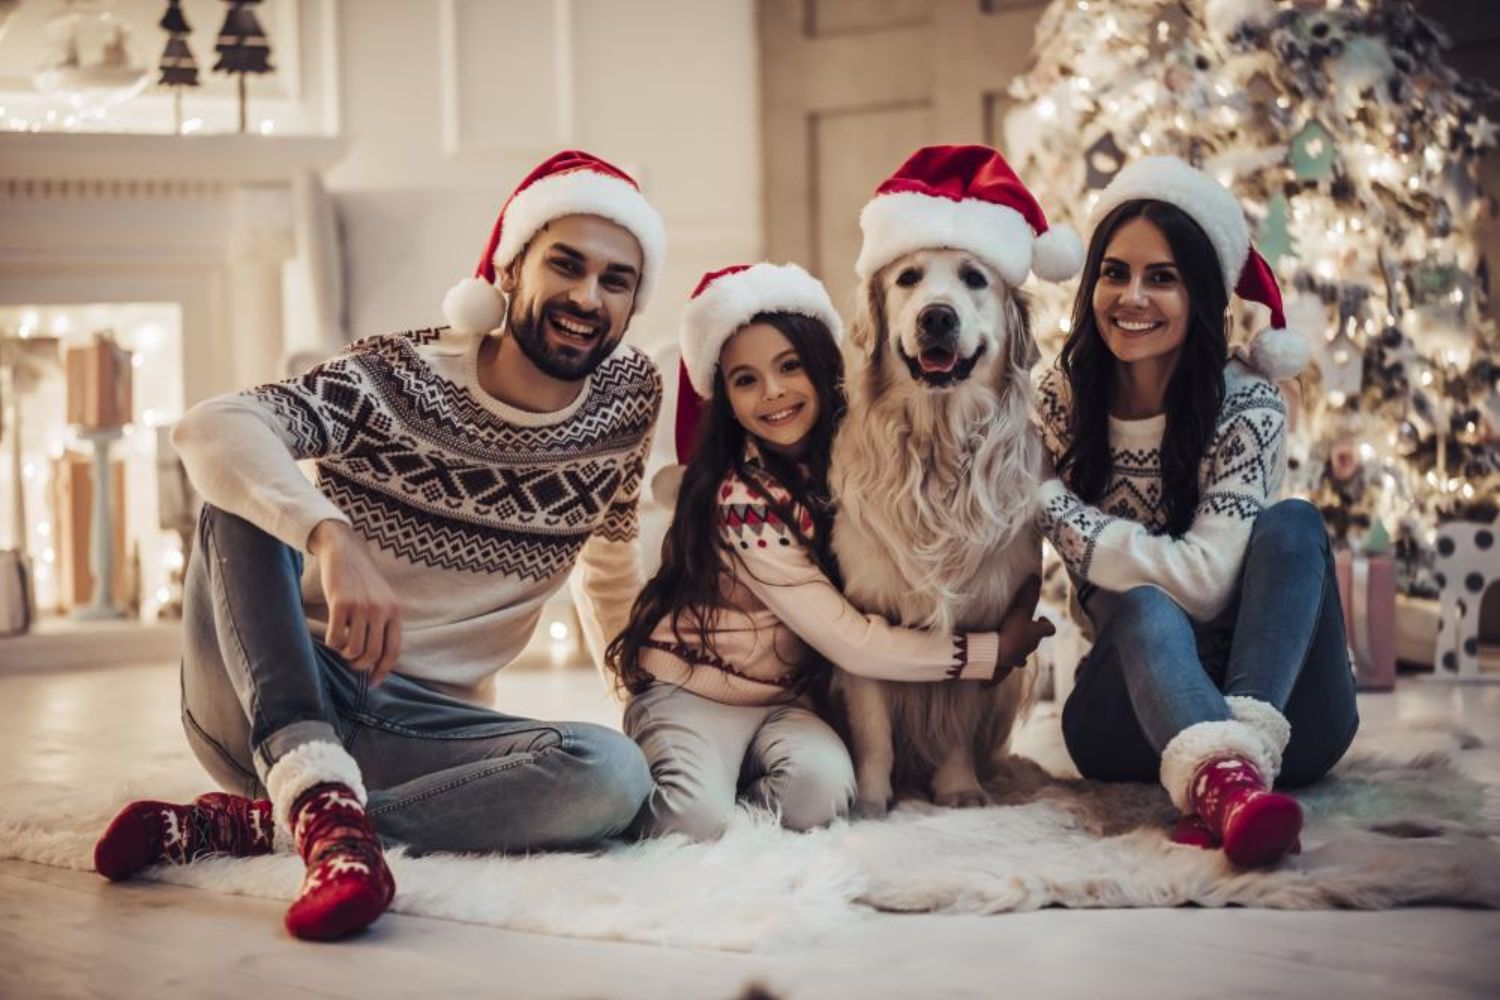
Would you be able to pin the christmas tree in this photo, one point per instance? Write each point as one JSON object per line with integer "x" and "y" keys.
{"x": 242, "y": 46}
{"x": 178, "y": 68}
{"x": 1355, "y": 152}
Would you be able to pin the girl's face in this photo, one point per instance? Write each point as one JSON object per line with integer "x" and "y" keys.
{"x": 1140, "y": 302}
{"x": 769, "y": 390}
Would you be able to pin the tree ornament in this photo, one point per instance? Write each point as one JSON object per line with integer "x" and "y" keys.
{"x": 1312, "y": 152}
{"x": 178, "y": 67}
{"x": 1102, "y": 161}
{"x": 1276, "y": 236}
{"x": 242, "y": 47}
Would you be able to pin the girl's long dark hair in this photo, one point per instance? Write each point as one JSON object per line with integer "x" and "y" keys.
{"x": 1195, "y": 391}
{"x": 686, "y": 586}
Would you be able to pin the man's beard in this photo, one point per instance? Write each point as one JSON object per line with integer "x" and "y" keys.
{"x": 562, "y": 361}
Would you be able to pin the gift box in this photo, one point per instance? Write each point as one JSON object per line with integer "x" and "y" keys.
{"x": 73, "y": 511}
{"x": 99, "y": 385}
{"x": 1367, "y": 590}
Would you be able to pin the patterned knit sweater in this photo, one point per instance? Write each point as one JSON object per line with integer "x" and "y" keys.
{"x": 775, "y": 603}
{"x": 474, "y": 511}
{"x": 1121, "y": 543}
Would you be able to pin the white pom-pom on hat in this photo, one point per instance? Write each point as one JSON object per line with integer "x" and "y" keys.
{"x": 474, "y": 306}
{"x": 1057, "y": 254}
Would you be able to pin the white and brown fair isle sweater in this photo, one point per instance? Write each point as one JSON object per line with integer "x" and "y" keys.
{"x": 775, "y": 603}
{"x": 1120, "y": 543}
{"x": 475, "y": 511}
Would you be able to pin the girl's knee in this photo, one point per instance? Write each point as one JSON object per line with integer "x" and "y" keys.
{"x": 814, "y": 792}
{"x": 1291, "y": 526}
{"x": 675, "y": 808}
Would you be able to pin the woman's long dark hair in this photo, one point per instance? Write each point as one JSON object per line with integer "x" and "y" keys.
{"x": 1195, "y": 391}
{"x": 686, "y": 586}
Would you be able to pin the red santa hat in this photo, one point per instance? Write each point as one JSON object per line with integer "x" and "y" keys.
{"x": 570, "y": 183}
{"x": 726, "y": 300}
{"x": 965, "y": 198}
{"x": 1276, "y": 351}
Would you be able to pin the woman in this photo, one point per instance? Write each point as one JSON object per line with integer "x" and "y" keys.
{"x": 1219, "y": 664}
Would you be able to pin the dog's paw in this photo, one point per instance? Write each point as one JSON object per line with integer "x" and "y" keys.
{"x": 871, "y": 808}
{"x": 964, "y": 798}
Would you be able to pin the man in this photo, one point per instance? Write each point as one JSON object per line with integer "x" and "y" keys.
{"x": 342, "y": 638}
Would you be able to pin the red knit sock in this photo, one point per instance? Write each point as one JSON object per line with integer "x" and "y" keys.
{"x": 347, "y": 884}
{"x": 1258, "y": 826}
{"x": 147, "y": 833}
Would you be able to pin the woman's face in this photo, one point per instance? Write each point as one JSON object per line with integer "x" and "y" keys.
{"x": 769, "y": 390}
{"x": 1140, "y": 302}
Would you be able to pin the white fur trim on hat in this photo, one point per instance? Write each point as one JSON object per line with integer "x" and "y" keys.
{"x": 585, "y": 192}
{"x": 1276, "y": 353}
{"x": 305, "y": 766}
{"x": 1205, "y": 200}
{"x": 1189, "y": 749}
{"x": 732, "y": 300}
{"x": 1057, "y": 254}
{"x": 905, "y": 221}
{"x": 474, "y": 306}
{"x": 1267, "y": 720}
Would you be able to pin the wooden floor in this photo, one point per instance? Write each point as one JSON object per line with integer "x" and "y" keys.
{"x": 68, "y": 933}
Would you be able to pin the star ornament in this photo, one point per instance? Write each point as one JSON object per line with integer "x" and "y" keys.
{"x": 1482, "y": 132}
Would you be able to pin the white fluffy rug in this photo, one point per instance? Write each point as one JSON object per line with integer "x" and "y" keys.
{"x": 1397, "y": 824}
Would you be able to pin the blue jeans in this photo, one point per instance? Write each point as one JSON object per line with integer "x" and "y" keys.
{"x": 442, "y": 774}
{"x": 1153, "y": 671}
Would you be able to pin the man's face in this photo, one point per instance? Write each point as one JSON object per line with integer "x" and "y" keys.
{"x": 571, "y": 294}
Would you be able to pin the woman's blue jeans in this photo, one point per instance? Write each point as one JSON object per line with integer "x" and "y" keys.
{"x": 1153, "y": 672}
{"x": 442, "y": 774}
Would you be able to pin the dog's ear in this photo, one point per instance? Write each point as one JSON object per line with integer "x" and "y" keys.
{"x": 868, "y": 330}
{"x": 1023, "y": 350}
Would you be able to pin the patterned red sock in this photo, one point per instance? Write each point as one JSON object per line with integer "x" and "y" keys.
{"x": 1257, "y": 826}
{"x": 347, "y": 884}
{"x": 147, "y": 833}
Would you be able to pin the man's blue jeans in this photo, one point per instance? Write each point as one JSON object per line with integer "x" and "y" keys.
{"x": 1153, "y": 672}
{"x": 442, "y": 774}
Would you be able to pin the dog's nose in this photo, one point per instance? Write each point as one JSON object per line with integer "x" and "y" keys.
{"x": 937, "y": 320}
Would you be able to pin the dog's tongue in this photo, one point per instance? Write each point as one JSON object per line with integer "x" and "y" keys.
{"x": 937, "y": 360}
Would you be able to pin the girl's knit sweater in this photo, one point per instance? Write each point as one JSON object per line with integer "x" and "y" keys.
{"x": 775, "y": 603}
{"x": 1120, "y": 543}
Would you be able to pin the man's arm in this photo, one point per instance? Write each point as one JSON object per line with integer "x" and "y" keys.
{"x": 241, "y": 454}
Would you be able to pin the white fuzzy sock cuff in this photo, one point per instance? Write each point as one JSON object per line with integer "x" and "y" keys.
{"x": 1264, "y": 718}
{"x": 303, "y": 767}
{"x": 1187, "y": 751}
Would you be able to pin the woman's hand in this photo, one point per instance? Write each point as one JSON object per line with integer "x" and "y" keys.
{"x": 1020, "y": 633}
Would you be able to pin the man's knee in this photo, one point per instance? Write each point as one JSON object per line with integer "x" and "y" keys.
{"x": 614, "y": 778}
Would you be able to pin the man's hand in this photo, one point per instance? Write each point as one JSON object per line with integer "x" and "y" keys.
{"x": 364, "y": 617}
{"x": 1019, "y": 632}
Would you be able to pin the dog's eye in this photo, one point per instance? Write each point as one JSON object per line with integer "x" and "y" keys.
{"x": 974, "y": 279}
{"x": 908, "y": 277}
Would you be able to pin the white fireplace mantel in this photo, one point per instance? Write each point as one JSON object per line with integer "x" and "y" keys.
{"x": 234, "y": 229}
{"x": 224, "y": 159}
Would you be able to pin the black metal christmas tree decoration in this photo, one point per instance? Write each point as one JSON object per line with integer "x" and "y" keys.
{"x": 242, "y": 46}
{"x": 178, "y": 67}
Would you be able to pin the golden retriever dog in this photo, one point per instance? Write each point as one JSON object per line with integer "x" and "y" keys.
{"x": 933, "y": 470}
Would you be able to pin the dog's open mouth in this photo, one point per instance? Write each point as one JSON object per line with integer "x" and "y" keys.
{"x": 941, "y": 366}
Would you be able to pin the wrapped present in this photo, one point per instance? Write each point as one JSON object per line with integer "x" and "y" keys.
{"x": 1367, "y": 590}
{"x": 99, "y": 385}
{"x": 73, "y": 512}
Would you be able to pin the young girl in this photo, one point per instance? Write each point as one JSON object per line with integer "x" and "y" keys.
{"x": 727, "y": 641}
{"x": 1219, "y": 664}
